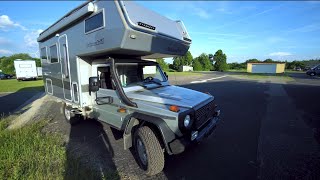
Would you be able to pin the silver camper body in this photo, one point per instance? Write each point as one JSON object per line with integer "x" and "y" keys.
{"x": 103, "y": 29}
{"x": 112, "y": 39}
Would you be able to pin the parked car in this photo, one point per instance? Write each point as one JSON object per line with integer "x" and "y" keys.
{"x": 314, "y": 71}
{"x": 5, "y": 76}
{"x": 307, "y": 68}
{"x": 298, "y": 69}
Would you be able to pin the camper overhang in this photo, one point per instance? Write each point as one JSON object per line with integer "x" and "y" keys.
{"x": 74, "y": 15}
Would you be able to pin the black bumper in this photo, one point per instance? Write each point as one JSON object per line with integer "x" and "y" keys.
{"x": 179, "y": 145}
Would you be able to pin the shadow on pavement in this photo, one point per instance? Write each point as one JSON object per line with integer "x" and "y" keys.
{"x": 89, "y": 152}
{"x": 232, "y": 151}
{"x": 9, "y": 102}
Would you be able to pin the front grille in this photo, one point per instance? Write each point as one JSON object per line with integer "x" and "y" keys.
{"x": 203, "y": 114}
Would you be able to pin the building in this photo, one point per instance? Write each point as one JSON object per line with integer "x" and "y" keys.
{"x": 185, "y": 68}
{"x": 266, "y": 67}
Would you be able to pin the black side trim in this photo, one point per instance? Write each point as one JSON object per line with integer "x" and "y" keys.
{"x": 115, "y": 77}
{"x": 166, "y": 133}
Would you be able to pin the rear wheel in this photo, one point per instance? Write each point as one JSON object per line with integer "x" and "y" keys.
{"x": 312, "y": 74}
{"x": 70, "y": 116}
{"x": 148, "y": 150}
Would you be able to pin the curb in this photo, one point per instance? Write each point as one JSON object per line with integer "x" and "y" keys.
{"x": 33, "y": 98}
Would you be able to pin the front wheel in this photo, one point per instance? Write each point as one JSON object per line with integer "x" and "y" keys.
{"x": 312, "y": 74}
{"x": 148, "y": 150}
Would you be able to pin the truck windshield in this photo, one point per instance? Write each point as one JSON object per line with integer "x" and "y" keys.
{"x": 136, "y": 74}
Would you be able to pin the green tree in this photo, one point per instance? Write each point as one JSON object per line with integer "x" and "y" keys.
{"x": 197, "y": 66}
{"x": 204, "y": 61}
{"x": 268, "y": 60}
{"x": 164, "y": 66}
{"x": 185, "y": 60}
{"x": 221, "y": 61}
{"x": 236, "y": 65}
{"x": 252, "y": 61}
{"x": 38, "y": 62}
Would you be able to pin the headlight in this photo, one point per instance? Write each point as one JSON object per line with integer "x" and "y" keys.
{"x": 187, "y": 121}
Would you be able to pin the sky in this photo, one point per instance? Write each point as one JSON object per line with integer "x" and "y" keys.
{"x": 280, "y": 30}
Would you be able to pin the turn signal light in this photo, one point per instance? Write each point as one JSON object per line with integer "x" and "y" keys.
{"x": 122, "y": 110}
{"x": 174, "y": 108}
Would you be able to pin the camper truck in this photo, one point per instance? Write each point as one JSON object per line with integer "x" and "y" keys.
{"x": 25, "y": 69}
{"x": 94, "y": 60}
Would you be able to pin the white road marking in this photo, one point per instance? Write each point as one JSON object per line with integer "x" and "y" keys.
{"x": 205, "y": 80}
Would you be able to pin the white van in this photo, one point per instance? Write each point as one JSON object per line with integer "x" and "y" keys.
{"x": 25, "y": 69}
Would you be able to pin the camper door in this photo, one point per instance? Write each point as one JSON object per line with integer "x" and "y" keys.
{"x": 107, "y": 102}
{"x": 65, "y": 67}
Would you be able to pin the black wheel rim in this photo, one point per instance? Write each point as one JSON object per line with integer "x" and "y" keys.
{"x": 142, "y": 153}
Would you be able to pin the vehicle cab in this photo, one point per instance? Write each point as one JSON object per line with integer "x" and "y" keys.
{"x": 130, "y": 94}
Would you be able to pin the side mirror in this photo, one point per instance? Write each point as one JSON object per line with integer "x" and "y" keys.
{"x": 104, "y": 100}
{"x": 166, "y": 75}
{"x": 93, "y": 84}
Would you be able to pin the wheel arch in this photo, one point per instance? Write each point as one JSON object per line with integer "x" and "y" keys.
{"x": 157, "y": 124}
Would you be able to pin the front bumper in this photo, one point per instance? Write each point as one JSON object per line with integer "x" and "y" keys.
{"x": 179, "y": 145}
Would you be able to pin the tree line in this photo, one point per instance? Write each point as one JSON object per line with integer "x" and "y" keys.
{"x": 218, "y": 62}
{"x": 7, "y": 65}
{"x": 204, "y": 62}
{"x": 289, "y": 65}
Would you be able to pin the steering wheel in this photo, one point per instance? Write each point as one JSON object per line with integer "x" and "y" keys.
{"x": 149, "y": 78}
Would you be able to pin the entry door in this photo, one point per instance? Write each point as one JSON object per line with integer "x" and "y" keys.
{"x": 107, "y": 112}
{"x": 65, "y": 67}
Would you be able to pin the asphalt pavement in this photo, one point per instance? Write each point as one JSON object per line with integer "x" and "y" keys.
{"x": 268, "y": 130}
{"x": 9, "y": 102}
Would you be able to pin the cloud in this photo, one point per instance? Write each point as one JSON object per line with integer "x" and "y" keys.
{"x": 307, "y": 28}
{"x": 248, "y": 17}
{"x": 5, "y": 52}
{"x": 275, "y": 40}
{"x": 6, "y": 23}
{"x": 30, "y": 38}
{"x": 202, "y": 13}
{"x": 280, "y": 54}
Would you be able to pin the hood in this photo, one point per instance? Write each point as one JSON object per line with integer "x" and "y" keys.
{"x": 171, "y": 95}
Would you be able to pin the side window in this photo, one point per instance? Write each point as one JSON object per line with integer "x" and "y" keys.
{"x": 94, "y": 22}
{"x": 104, "y": 75}
{"x": 43, "y": 53}
{"x": 54, "y": 54}
{"x": 152, "y": 71}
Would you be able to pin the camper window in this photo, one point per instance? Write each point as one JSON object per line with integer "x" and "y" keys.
{"x": 94, "y": 22}
{"x": 53, "y": 54}
{"x": 43, "y": 53}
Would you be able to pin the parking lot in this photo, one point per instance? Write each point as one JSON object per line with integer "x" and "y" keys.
{"x": 268, "y": 130}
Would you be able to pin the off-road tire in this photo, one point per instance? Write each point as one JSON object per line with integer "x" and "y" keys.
{"x": 155, "y": 155}
{"x": 72, "y": 119}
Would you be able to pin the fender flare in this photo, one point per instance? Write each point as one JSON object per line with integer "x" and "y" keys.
{"x": 167, "y": 135}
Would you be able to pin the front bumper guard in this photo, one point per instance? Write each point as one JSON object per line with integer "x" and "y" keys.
{"x": 179, "y": 145}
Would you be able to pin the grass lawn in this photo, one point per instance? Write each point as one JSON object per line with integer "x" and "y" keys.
{"x": 190, "y": 73}
{"x": 292, "y": 71}
{"x": 29, "y": 153}
{"x": 12, "y": 85}
{"x": 237, "y": 70}
{"x": 261, "y": 76}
